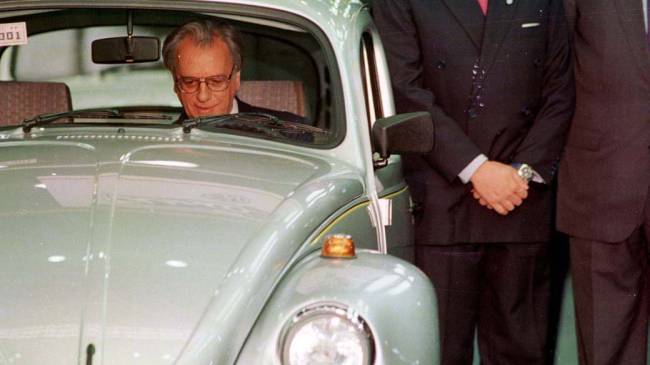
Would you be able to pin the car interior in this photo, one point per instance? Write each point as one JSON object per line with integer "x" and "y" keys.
{"x": 23, "y": 99}
{"x": 285, "y": 67}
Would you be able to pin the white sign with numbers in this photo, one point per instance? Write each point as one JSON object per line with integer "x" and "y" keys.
{"x": 13, "y": 34}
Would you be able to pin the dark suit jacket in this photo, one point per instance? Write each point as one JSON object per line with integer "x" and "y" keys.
{"x": 605, "y": 170}
{"x": 244, "y": 107}
{"x": 500, "y": 85}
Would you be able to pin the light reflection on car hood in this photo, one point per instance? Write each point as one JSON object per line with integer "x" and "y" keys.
{"x": 131, "y": 245}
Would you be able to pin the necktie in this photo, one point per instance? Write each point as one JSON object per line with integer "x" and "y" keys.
{"x": 483, "y": 4}
{"x": 647, "y": 32}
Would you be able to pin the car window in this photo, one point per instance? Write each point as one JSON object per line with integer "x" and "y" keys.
{"x": 284, "y": 68}
{"x": 91, "y": 85}
{"x": 370, "y": 79}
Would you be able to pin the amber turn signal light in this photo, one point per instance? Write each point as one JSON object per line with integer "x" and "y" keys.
{"x": 340, "y": 246}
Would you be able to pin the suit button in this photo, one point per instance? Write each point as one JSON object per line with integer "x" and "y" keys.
{"x": 471, "y": 113}
{"x": 526, "y": 112}
{"x": 441, "y": 65}
{"x": 537, "y": 62}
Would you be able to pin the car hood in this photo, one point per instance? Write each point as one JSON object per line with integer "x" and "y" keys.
{"x": 153, "y": 249}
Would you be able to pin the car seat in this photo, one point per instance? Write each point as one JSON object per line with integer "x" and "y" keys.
{"x": 21, "y": 100}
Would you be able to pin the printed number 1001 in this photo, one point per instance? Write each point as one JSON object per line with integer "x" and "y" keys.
{"x": 9, "y": 36}
{"x": 13, "y": 34}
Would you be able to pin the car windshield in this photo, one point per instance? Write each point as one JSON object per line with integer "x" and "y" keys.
{"x": 284, "y": 73}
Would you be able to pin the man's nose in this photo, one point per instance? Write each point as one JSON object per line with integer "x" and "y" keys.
{"x": 204, "y": 93}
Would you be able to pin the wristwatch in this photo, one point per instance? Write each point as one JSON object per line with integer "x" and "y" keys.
{"x": 524, "y": 171}
{"x": 528, "y": 173}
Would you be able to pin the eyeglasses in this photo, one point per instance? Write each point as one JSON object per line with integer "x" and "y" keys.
{"x": 190, "y": 85}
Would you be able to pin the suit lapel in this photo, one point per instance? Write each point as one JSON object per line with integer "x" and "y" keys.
{"x": 469, "y": 15}
{"x": 497, "y": 25}
{"x": 630, "y": 14}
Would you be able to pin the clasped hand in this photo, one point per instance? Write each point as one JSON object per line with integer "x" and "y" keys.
{"x": 498, "y": 186}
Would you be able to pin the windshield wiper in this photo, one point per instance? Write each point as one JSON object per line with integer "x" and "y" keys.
{"x": 48, "y": 118}
{"x": 257, "y": 122}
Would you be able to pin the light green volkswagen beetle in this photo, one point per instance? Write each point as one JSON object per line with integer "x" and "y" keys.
{"x": 129, "y": 237}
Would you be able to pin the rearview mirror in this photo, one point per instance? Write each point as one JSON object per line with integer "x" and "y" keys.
{"x": 126, "y": 50}
{"x": 403, "y": 133}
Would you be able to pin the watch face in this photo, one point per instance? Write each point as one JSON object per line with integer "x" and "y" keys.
{"x": 525, "y": 172}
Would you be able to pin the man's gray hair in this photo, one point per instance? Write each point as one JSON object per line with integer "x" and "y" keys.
{"x": 203, "y": 32}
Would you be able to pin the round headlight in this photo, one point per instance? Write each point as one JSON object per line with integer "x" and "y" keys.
{"x": 327, "y": 334}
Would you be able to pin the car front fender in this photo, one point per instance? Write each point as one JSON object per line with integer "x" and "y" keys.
{"x": 395, "y": 299}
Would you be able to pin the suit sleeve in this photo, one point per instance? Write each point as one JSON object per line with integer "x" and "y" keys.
{"x": 453, "y": 150}
{"x": 543, "y": 144}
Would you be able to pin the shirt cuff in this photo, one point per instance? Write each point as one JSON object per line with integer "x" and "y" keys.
{"x": 466, "y": 174}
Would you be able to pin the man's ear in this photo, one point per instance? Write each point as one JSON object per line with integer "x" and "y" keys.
{"x": 177, "y": 91}
{"x": 236, "y": 81}
{"x": 174, "y": 86}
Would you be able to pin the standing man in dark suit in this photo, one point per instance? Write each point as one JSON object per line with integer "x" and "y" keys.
{"x": 497, "y": 80}
{"x": 603, "y": 198}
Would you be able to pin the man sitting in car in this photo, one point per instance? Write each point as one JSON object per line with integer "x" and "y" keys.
{"x": 204, "y": 58}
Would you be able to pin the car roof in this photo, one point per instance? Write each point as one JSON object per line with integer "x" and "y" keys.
{"x": 333, "y": 17}
{"x": 324, "y": 11}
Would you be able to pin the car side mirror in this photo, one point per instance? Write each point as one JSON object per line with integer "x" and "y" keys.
{"x": 403, "y": 133}
{"x": 126, "y": 50}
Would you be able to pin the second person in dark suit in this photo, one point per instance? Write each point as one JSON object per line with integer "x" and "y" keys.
{"x": 604, "y": 182}
{"x": 497, "y": 80}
